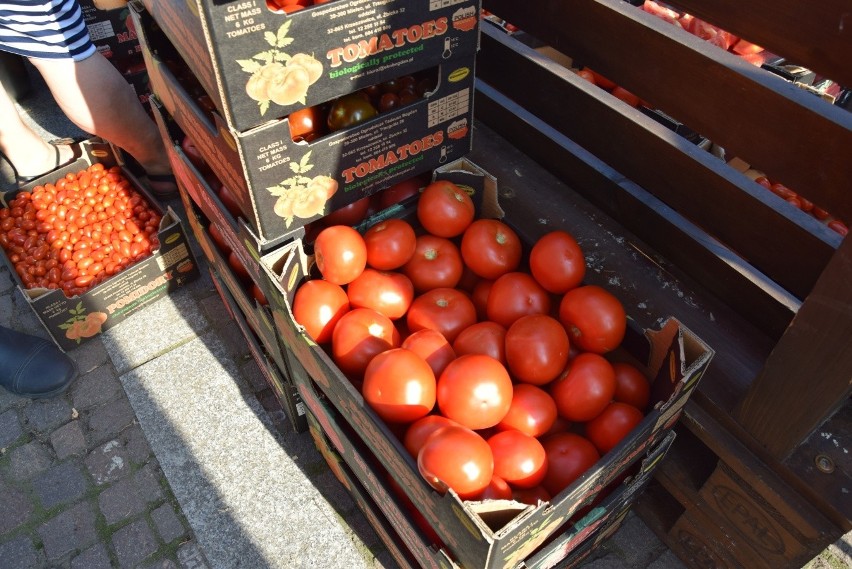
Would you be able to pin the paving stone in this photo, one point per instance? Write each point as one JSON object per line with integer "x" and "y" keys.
{"x": 96, "y": 557}
{"x": 7, "y": 309}
{"x": 214, "y": 309}
{"x": 147, "y": 481}
{"x": 253, "y": 376}
{"x": 637, "y": 544}
{"x": 138, "y": 449}
{"x": 68, "y": 440}
{"x": 190, "y": 556}
{"x": 89, "y": 355}
{"x": 129, "y": 496}
{"x": 668, "y": 560}
{"x": 17, "y": 508}
{"x": 8, "y": 399}
{"x": 46, "y": 414}
{"x": 107, "y": 421}
{"x": 611, "y": 561}
{"x": 108, "y": 462}
{"x": 20, "y": 553}
{"x": 167, "y": 523}
{"x": 10, "y": 428}
{"x": 160, "y": 564}
{"x": 133, "y": 543}
{"x": 62, "y": 484}
{"x": 68, "y": 531}
{"x": 28, "y": 460}
{"x": 95, "y": 388}
{"x": 231, "y": 335}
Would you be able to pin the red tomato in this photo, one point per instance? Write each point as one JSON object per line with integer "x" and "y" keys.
{"x": 536, "y": 349}
{"x": 219, "y": 239}
{"x": 433, "y": 347}
{"x": 359, "y": 336}
{"x": 479, "y": 296}
{"x": 444, "y": 209}
{"x": 436, "y": 263}
{"x": 587, "y": 75}
{"x": 238, "y": 267}
{"x": 420, "y": 430}
{"x": 532, "y": 411}
{"x": 387, "y": 292}
{"x": 457, "y": 458}
{"x": 475, "y": 391}
{"x": 557, "y": 262}
{"x": 307, "y": 124}
{"x": 351, "y": 214}
{"x": 620, "y": 92}
{"x": 399, "y": 191}
{"x": 519, "y": 459}
{"x": 447, "y": 310}
{"x": 531, "y": 496}
{"x": 497, "y": 489}
{"x": 568, "y": 456}
{"x": 631, "y": 385}
{"x": 399, "y": 385}
{"x": 191, "y": 150}
{"x": 612, "y": 424}
{"x": 839, "y": 227}
{"x": 514, "y": 295}
{"x": 340, "y": 254}
{"x": 594, "y": 318}
{"x": 490, "y": 248}
{"x": 486, "y": 338}
{"x": 258, "y": 295}
{"x": 230, "y": 202}
{"x": 390, "y": 244}
{"x": 782, "y": 191}
{"x": 585, "y": 389}
{"x": 601, "y": 81}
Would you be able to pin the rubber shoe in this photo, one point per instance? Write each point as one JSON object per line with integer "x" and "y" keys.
{"x": 33, "y": 367}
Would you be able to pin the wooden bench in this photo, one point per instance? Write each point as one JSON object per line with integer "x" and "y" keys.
{"x": 760, "y": 473}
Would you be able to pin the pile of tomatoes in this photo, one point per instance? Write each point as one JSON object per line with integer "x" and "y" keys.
{"x": 496, "y": 372}
{"x": 290, "y": 6}
{"x": 78, "y": 231}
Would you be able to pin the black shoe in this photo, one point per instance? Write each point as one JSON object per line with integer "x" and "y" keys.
{"x": 33, "y": 367}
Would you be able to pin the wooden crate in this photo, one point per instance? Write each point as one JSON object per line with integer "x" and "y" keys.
{"x": 764, "y": 283}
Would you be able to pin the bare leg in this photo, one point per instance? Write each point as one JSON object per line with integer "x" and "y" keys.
{"x": 24, "y": 148}
{"x": 95, "y": 97}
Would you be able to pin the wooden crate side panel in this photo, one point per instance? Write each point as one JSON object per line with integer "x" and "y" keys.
{"x": 749, "y": 111}
{"x": 790, "y": 249}
{"x": 701, "y": 544}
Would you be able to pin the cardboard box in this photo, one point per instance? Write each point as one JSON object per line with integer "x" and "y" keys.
{"x": 112, "y": 33}
{"x": 479, "y": 537}
{"x": 127, "y": 292}
{"x": 349, "y": 44}
{"x": 276, "y": 378}
{"x": 269, "y": 174}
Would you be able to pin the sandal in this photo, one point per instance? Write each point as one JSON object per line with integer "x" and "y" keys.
{"x": 162, "y": 186}
{"x": 76, "y": 152}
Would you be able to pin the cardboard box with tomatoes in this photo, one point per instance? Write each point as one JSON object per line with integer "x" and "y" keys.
{"x": 72, "y": 320}
{"x": 281, "y": 184}
{"x": 486, "y": 534}
{"x": 111, "y": 29}
{"x": 259, "y": 63}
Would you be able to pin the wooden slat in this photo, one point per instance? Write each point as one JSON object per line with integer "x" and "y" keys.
{"x": 792, "y": 135}
{"x": 819, "y": 39}
{"x": 790, "y": 251}
{"x": 807, "y": 376}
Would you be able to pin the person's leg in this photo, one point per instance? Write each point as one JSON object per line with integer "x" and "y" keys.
{"x": 97, "y": 98}
{"x": 26, "y": 150}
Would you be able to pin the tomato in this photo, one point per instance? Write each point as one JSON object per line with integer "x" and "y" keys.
{"x": 631, "y": 385}
{"x": 444, "y": 209}
{"x": 350, "y": 110}
{"x": 497, "y": 489}
{"x": 219, "y": 239}
{"x": 612, "y": 424}
{"x": 486, "y": 337}
{"x": 519, "y": 459}
{"x": 838, "y": 227}
{"x": 229, "y": 201}
{"x": 532, "y": 411}
{"x": 479, "y": 296}
{"x": 585, "y": 388}
{"x": 456, "y": 458}
{"x": 514, "y": 295}
{"x": 306, "y": 124}
{"x": 399, "y": 385}
{"x": 601, "y": 81}
{"x": 532, "y": 496}
{"x": 490, "y": 248}
{"x": 359, "y": 336}
{"x": 587, "y": 75}
{"x": 436, "y": 263}
{"x": 557, "y": 263}
{"x": 193, "y": 154}
{"x": 390, "y": 244}
{"x": 399, "y": 191}
{"x": 447, "y": 310}
{"x": 536, "y": 349}
{"x": 594, "y": 318}
{"x": 568, "y": 456}
{"x": 743, "y": 47}
{"x": 620, "y": 92}
{"x": 340, "y": 254}
{"x": 420, "y": 430}
{"x": 351, "y": 214}
{"x": 782, "y": 191}
{"x": 258, "y": 294}
{"x": 475, "y": 391}
{"x": 433, "y": 347}
{"x": 238, "y": 267}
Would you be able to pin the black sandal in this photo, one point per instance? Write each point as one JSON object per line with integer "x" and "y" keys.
{"x": 147, "y": 179}
{"x": 77, "y": 152}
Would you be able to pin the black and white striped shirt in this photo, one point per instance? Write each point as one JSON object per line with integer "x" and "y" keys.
{"x": 47, "y": 29}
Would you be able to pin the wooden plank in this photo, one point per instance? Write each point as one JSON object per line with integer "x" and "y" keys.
{"x": 793, "y": 135}
{"x": 819, "y": 39}
{"x": 807, "y": 376}
{"x": 698, "y": 540}
{"x": 790, "y": 251}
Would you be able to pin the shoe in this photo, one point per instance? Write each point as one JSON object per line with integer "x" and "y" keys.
{"x": 23, "y": 179}
{"x": 33, "y": 367}
{"x": 162, "y": 186}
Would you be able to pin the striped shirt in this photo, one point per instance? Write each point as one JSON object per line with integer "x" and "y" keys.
{"x": 45, "y": 29}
